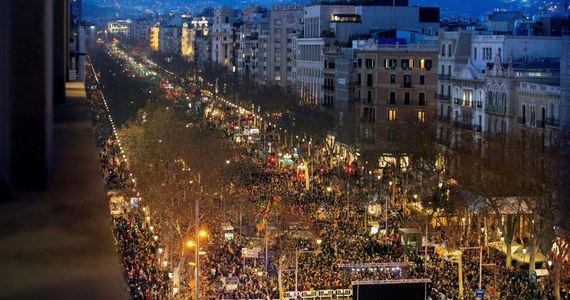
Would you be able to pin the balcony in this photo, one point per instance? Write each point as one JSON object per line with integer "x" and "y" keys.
{"x": 479, "y": 104}
{"x": 406, "y": 85}
{"x": 464, "y": 126}
{"x": 552, "y": 122}
{"x": 443, "y": 77}
{"x": 521, "y": 121}
{"x": 458, "y": 101}
{"x": 445, "y": 98}
{"x": 496, "y": 109}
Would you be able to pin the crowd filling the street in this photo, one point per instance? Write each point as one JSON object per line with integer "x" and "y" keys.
{"x": 318, "y": 221}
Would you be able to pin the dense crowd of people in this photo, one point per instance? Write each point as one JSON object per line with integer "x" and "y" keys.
{"x": 345, "y": 238}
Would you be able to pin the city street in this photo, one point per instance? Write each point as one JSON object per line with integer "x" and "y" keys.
{"x": 281, "y": 213}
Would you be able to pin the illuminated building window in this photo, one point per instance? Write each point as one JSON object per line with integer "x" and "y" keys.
{"x": 421, "y": 116}
{"x": 392, "y": 115}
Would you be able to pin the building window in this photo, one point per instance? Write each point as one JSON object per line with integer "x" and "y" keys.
{"x": 392, "y": 97}
{"x": 407, "y": 81}
{"x": 392, "y": 78}
{"x": 390, "y": 64}
{"x": 368, "y": 133}
{"x": 369, "y": 114}
{"x": 278, "y": 21}
{"x": 422, "y": 99}
{"x": 442, "y": 49}
{"x": 422, "y": 80}
{"x": 406, "y": 98}
{"x": 390, "y": 135}
{"x": 369, "y": 96}
{"x": 370, "y": 63}
{"x": 474, "y": 52}
{"x": 425, "y": 64}
{"x": 360, "y": 63}
{"x": 277, "y": 77}
{"x": 421, "y": 116}
{"x": 392, "y": 115}
{"x": 369, "y": 80}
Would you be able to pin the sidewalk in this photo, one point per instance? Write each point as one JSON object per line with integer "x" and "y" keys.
{"x": 57, "y": 243}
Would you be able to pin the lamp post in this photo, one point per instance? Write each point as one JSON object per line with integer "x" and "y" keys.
{"x": 196, "y": 251}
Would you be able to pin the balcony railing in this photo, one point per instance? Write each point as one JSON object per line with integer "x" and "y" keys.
{"x": 458, "y": 101}
{"x": 479, "y": 104}
{"x": 496, "y": 109}
{"x": 443, "y": 76}
{"x": 445, "y": 98}
{"x": 521, "y": 121}
{"x": 552, "y": 122}
{"x": 407, "y": 85}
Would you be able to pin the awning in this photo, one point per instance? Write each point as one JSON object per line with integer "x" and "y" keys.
{"x": 517, "y": 253}
{"x": 521, "y": 257}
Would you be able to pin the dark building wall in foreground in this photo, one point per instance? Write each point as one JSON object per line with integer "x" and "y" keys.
{"x": 55, "y": 229}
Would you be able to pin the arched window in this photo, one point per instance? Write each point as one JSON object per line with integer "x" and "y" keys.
{"x": 490, "y": 98}
{"x": 523, "y": 114}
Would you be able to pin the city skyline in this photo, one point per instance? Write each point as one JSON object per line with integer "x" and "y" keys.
{"x": 468, "y": 8}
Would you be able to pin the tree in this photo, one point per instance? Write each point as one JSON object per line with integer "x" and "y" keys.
{"x": 174, "y": 166}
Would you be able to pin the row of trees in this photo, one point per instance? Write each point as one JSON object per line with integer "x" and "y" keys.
{"x": 514, "y": 184}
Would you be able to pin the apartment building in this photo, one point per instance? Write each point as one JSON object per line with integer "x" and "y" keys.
{"x": 483, "y": 91}
{"x": 396, "y": 84}
{"x": 119, "y": 28}
{"x": 284, "y": 24}
{"x": 224, "y": 37}
{"x": 337, "y": 23}
{"x": 169, "y": 39}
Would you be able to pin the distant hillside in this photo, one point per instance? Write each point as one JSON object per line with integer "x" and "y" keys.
{"x": 93, "y": 11}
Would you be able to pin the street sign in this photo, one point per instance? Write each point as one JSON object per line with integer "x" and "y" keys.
{"x": 480, "y": 294}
